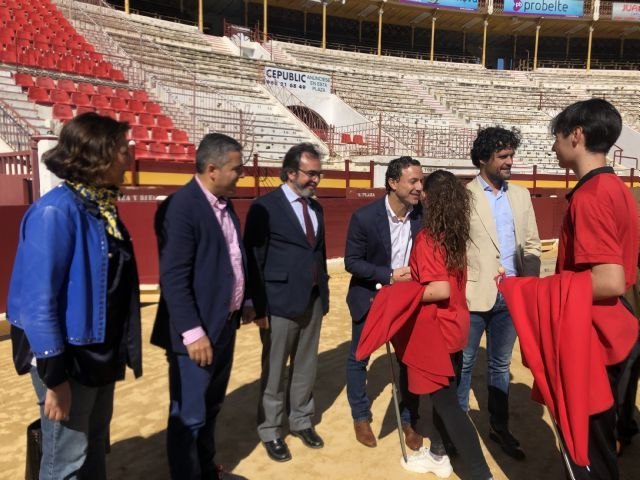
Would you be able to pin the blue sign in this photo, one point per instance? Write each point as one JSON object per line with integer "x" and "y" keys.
{"x": 545, "y": 8}
{"x": 456, "y": 4}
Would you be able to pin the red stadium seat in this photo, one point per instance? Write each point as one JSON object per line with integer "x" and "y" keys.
{"x": 146, "y": 120}
{"x": 191, "y": 149}
{"x": 84, "y": 109}
{"x": 139, "y": 133}
{"x": 176, "y": 150}
{"x": 67, "y": 85}
{"x": 117, "y": 75}
{"x": 100, "y": 101}
{"x": 152, "y": 108}
{"x": 164, "y": 121}
{"x": 179, "y": 136}
{"x": 358, "y": 139}
{"x": 45, "y": 82}
{"x": 23, "y": 80}
{"x": 102, "y": 70}
{"x": 85, "y": 67}
{"x": 62, "y": 112}
{"x": 39, "y": 95}
{"x": 160, "y": 134}
{"x": 140, "y": 95}
{"x": 80, "y": 99}
{"x": 136, "y": 106}
{"x": 87, "y": 88}
{"x": 158, "y": 151}
{"x": 59, "y": 96}
{"x": 48, "y": 61}
{"x": 119, "y": 104}
{"x": 122, "y": 93}
{"x": 141, "y": 151}
{"x": 345, "y": 138}
{"x": 67, "y": 64}
{"x": 128, "y": 117}
{"x": 105, "y": 90}
{"x": 9, "y": 56}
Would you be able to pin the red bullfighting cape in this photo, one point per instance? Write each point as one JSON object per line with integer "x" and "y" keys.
{"x": 560, "y": 346}
{"x": 398, "y": 314}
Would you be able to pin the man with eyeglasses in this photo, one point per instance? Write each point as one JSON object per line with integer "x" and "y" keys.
{"x": 289, "y": 288}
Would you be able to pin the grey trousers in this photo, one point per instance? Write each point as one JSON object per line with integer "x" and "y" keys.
{"x": 297, "y": 339}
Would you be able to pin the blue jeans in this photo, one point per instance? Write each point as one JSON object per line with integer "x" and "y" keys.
{"x": 501, "y": 336}
{"x": 76, "y": 448}
{"x": 357, "y": 385}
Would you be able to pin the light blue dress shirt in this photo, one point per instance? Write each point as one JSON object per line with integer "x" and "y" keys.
{"x": 503, "y": 218}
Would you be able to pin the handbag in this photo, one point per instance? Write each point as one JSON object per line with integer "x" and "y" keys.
{"x": 34, "y": 451}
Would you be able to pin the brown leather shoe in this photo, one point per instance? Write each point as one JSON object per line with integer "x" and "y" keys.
{"x": 411, "y": 437}
{"x": 364, "y": 434}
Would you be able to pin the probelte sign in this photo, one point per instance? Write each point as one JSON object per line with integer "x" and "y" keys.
{"x": 545, "y": 8}
{"x": 628, "y": 12}
{"x": 297, "y": 81}
{"x": 453, "y": 4}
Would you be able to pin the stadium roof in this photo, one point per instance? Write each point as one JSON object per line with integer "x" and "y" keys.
{"x": 399, "y": 13}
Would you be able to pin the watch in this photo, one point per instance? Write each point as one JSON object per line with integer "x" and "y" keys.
{"x": 391, "y": 278}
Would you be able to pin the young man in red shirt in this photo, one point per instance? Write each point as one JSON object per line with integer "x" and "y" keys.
{"x": 600, "y": 234}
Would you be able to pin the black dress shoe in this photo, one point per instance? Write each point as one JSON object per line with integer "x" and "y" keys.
{"x": 508, "y": 443}
{"x": 309, "y": 437}
{"x": 277, "y": 450}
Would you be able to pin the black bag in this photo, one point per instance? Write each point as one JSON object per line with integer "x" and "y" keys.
{"x": 34, "y": 451}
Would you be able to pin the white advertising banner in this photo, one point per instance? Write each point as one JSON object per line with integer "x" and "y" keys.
{"x": 626, "y": 11}
{"x": 297, "y": 81}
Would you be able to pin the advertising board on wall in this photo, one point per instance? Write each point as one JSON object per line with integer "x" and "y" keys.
{"x": 455, "y": 4}
{"x": 297, "y": 81}
{"x": 629, "y": 12}
{"x": 545, "y": 8}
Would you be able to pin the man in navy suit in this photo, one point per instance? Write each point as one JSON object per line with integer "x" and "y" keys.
{"x": 289, "y": 287}
{"x": 379, "y": 242}
{"x": 202, "y": 280}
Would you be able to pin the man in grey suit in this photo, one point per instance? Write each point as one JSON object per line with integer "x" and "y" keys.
{"x": 289, "y": 287}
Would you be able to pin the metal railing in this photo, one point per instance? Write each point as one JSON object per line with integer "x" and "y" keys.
{"x": 15, "y": 130}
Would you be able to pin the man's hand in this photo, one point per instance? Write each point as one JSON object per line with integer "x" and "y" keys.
{"x": 201, "y": 351}
{"x": 402, "y": 274}
{"x": 262, "y": 322}
{"x": 248, "y": 315}
{"x": 57, "y": 402}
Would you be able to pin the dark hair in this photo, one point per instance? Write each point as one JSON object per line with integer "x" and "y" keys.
{"x": 600, "y": 121}
{"x": 395, "y": 168}
{"x": 214, "y": 148}
{"x": 447, "y": 207}
{"x": 86, "y": 148}
{"x": 291, "y": 162}
{"x": 491, "y": 140}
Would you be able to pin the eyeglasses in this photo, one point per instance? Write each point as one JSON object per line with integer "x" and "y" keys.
{"x": 312, "y": 173}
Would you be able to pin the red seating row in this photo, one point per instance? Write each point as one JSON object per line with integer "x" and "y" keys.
{"x": 25, "y": 80}
{"x": 357, "y": 139}
{"x": 158, "y": 146}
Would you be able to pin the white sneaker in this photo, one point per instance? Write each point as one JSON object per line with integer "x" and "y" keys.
{"x": 422, "y": 462}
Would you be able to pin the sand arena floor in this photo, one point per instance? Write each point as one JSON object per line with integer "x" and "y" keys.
{"x": 140, "y": 415}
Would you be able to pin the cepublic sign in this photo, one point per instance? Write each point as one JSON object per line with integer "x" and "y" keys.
{"x": 545, "y": 8}
{"x": 626, "y": 11}
{"x": 456, "y": 4}
{"x": 297, "y": 81}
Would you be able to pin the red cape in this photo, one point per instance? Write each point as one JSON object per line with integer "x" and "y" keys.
{"x": 398, "y": 314}
{"x": 560, "y": 346}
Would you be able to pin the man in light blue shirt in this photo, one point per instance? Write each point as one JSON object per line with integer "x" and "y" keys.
{"x": 503, "y": 233}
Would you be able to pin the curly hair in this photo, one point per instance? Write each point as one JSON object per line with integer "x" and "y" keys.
{"x": 86, "y": 149}
{"x": 447, "y": 207}
{"x": 491, "y": 140}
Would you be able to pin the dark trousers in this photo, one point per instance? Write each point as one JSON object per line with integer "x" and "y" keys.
{"x": 357, "y": 384}
{"x": 196, "y": 395}
{"x": 454, "y": 425}
{"x": 602, "y": 438}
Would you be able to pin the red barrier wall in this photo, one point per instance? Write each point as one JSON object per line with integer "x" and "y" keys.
{"x": 10, "y": 217}
{"x": 138, "y": 216}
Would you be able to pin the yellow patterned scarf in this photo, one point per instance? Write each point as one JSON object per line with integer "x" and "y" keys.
{"x": 105, "y": 199}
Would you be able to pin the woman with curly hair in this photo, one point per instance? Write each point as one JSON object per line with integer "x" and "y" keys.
{"x": 74, "y": 298}
{"x": 438, "y": 263}
{"x": 427, "y": 320}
